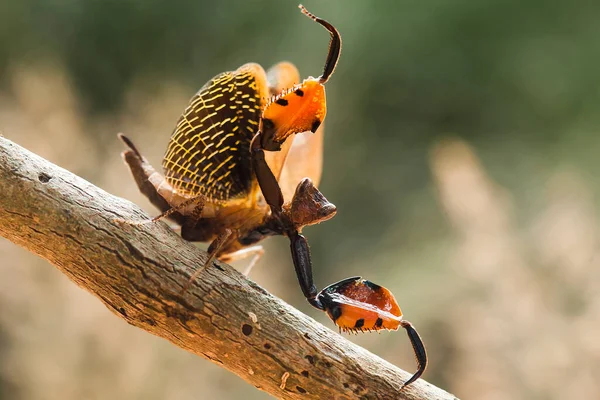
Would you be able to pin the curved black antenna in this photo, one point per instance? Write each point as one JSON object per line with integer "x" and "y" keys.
{"x": 335, "y": 45}
{"x": 419, "y": 349}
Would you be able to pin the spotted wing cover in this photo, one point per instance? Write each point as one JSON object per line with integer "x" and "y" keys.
{"x": 209, "y": 151}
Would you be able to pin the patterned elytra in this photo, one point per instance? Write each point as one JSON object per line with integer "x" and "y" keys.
{"x": 209, "y": 151}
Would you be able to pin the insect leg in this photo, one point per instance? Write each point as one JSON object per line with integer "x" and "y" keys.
{"x": 266, "y": 180}
{"x": 255, "y": 251}
{"x": 303, "y": 266}
{"x": 335, "y": 44}
{"x": 192, "y": 219}
{"x": 214, "y": 249}
{"x": 143, "y": 173}
{"x": 199, "y": 200}
{"x": 419, "y": 349}
{"x": 151, "y": 183}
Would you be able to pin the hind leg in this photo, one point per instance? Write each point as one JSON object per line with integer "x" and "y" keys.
{"x": 158, "y": 191}
{"x": 145, "y": 176}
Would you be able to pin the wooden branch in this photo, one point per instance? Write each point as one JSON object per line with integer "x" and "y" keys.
{"x": 139, "y": 272}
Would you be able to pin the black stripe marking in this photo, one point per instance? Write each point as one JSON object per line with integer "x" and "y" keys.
{"x": 378, "y": 323}
{"x": 315, "y": 125}
{"x": 336, "y": 312}
{"x": 299, "y": 92}
{"x": 282, "y": 102}
{"x": 359, "y": 323}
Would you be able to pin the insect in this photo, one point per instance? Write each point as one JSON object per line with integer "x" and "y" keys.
{"x": 235, "y": 172}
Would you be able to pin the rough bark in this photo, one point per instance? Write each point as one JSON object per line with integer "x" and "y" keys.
{"x": 138, "y": 272}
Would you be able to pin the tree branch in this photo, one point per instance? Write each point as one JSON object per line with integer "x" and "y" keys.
{"x": 139, "y": 273}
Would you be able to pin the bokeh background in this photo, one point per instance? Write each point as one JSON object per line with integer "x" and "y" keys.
{"x": 461, "y": 151}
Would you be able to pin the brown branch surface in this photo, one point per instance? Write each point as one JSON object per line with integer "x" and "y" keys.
{"x": 139, "y": 272}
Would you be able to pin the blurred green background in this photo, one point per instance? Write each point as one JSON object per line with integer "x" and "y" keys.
{"x": 461, "y": 152}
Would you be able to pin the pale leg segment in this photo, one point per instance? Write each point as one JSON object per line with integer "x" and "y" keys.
{"x": 256, "y": 252}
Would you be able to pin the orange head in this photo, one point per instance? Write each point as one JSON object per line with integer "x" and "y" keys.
{"x": 303, "y": 107}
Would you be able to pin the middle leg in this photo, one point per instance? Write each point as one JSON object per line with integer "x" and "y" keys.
{"x": 256, "y": 252}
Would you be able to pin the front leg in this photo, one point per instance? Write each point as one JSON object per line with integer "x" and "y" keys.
{"x": 266, "y": 180}
{"x": 303, "y": 267}
{"x": 358, "y": 305}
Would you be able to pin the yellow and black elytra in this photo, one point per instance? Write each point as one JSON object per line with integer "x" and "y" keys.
{"x": 221, "y": 186}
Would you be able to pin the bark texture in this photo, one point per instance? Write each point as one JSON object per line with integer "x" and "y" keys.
{"x": 138, "y": 272}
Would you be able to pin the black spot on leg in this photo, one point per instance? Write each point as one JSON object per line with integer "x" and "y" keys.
{"x": 300, "y": 389}
{"x": 44, "y": 177}
{"x": 282, "y": 102}
{"x": 315, "y": 125}
{"x": 247, "y": 329}
{"x": 378, "y": 323}
{"x": 359, "y": 323}
{"x": 336, "y": 312}
{"x": 299, "y": 92}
